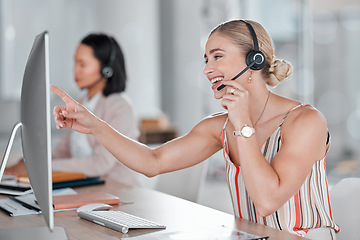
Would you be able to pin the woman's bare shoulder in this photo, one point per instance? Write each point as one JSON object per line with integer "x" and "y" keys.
{"x": 213, "y": 123}
{"x": 218, "y": 118}
{"x": 223, "y": 114}
{"x": 309, "y": 115}
{"x": 306, "y": 119}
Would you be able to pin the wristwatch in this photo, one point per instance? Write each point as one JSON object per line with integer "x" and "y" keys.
{"x": 246, "y": 131}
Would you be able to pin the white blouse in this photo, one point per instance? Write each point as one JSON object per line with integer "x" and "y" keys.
{"x": 79, "y": 143}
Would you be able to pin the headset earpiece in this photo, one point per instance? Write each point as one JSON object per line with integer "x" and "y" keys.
{"x": 107, "y": 70}
{"x": 254, "y": 55}
{"x": 257, "y": 57}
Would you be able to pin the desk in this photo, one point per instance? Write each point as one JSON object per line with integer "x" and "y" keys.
{"x": 177, "y": 214}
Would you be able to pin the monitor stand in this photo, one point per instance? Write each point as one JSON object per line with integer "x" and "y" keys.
{"x": 8, "y": 148}
{"x": 29, "y": 233}
{"x": 33, "y": 233}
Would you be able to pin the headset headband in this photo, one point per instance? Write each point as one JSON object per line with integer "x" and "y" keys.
{"x": 112, "y": 52}
{"x": 253, "y": 34}
{"x": 107, "y": 70}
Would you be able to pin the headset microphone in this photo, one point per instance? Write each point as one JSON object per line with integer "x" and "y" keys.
{"x": 255, "y": 59}
{"x": 241, "y": 73}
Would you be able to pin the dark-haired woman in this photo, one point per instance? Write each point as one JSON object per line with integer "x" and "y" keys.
{"x": 100, "y": 70}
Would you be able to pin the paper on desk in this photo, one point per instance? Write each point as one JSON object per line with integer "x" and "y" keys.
{"x": 14, "y": 208}
{"x": 217, "y": 233}
{"x": 10, "y": 186}
{"x": 14, "y": 192}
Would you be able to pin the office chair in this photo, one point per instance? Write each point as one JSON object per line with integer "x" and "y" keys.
{"x": 186, "y": 183}
{"x": 345, "y": 199}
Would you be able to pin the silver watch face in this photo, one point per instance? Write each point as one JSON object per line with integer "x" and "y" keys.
{"x": 247, "y": 131}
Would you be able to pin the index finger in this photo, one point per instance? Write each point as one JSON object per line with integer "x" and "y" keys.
{"x": 64, "y": 96}
{"x": 234, "y": 84}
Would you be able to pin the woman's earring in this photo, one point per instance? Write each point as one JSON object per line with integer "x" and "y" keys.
{"x": 250, "y": 78}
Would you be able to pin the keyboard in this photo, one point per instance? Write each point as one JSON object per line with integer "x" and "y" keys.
{"x": 118, "y": 220}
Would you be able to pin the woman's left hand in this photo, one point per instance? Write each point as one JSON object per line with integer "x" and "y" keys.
{"x": 236, "y": 101}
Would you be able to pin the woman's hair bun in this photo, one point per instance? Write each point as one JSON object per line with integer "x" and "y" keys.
{"x": 279, "y": 70}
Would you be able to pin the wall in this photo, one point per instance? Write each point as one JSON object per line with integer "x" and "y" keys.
{"x": 182, "y": 60}
{"x": 68, "y": 22}
{"x": 136, "y": 28}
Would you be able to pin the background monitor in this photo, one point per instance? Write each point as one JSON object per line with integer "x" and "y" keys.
{"x": 35, "y": 128}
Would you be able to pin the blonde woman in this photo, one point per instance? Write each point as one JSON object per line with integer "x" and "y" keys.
{"x": 274, "y": 147}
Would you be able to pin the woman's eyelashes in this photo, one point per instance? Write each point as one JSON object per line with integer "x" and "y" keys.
{"x": 216, "y": 57}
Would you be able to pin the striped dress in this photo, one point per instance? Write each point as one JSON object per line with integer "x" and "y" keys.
{"x": 308, "y": 208}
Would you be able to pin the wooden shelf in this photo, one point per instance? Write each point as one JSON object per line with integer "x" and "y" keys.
{"x": 153, "y": 136}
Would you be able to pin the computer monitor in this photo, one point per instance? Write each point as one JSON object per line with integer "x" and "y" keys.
{"x": 35, "y": 128}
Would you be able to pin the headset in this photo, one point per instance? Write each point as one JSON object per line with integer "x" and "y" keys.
{"x": 107, "y": 70}
{"x": 255, "y": 59}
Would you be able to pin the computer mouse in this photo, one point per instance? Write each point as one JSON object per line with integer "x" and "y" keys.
{"x": 94, "y": 207}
